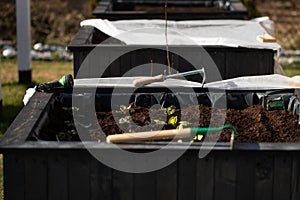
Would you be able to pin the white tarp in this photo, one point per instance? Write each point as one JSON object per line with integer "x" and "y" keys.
{"x": 231, "y": 33}
{"x": 274, "y": 81}
{"x": 261, "y": 82}
{"x": 127, "y": 82}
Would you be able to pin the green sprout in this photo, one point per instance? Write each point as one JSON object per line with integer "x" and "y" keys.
{"x": 124, "y": 120}
{"x": 69, "y": 123}
{"x": 159, "y": 122}
{"x": 197, "y": 138}
{"x": 172, "y": 120}
{"x": 73, "y": 108}
{"x": 170, "y": 110}
{"x": 123, "y": 109}
{"x": 72, "y": 132}
{"x": 182, "y": 124}
{"x": 60, "y": 136}
{"x": 64, "y": 135}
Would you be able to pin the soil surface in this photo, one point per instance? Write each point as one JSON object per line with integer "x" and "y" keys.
{"x": 253, "y": 124}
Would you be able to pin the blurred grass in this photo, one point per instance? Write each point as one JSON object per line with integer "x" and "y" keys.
{"x": 292, "y": 69}
{"x": 13, "y": 92}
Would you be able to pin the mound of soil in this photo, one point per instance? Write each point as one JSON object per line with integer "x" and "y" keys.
{"x": 253, "y": 124}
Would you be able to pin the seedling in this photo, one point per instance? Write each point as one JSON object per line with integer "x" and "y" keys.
{"x": 73, "y": 108}
{"x": 159, "y": 122}
{"x": 123, "y": 109}
{"x": 173, "y": 120}
{"x": 182, "y": 124}
{"x": 125, "y": 120}
{"x": 170, "y": 110}
{"x": 64, "y": 135}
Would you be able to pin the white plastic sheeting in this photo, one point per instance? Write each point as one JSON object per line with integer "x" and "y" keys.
{"x": 261, "y": 82}
{"x": 230, "y": 33}
{"x": 274, "y": 81}
{"x": 127, "y": 82}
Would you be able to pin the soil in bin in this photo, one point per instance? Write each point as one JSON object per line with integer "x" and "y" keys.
{"x": 253, "y": 124}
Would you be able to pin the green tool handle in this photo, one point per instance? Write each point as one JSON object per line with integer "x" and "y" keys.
{"x": 205, "y": 130}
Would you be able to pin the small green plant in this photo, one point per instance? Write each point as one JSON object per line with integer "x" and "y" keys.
{"x": 71, "y": 109}
{"x": 173, "y": 120}
{"x": 123, "y": 109}
{"x": 197, "y": 138}
{"x": 170, "y": 110}
{"x": 125, "y": 120}
{"x": 159, "y": 122}
{"x": 182, "y": 124}
{"x": 64, "y": 135}
{"x": 69, "y": 123}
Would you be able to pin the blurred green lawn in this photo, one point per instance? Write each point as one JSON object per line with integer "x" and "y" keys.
{"x": 292, "y": 69}
{"x": 13, "y": 92}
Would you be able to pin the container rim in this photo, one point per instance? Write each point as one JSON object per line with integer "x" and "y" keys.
{"x": 52, "y": 145}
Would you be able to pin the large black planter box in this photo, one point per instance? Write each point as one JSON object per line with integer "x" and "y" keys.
{"x": 66, "y": 170}
{"x": 230, "y": 61}
{"x": 178, "y": 10}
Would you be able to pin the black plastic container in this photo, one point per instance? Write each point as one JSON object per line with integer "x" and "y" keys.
{"x": 66, "y": 170}
{"x": 230, "y": 61}
{"x": 177, "y": 10}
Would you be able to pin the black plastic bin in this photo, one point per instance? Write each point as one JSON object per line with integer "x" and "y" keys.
{"x": 230, "y": 61}
{"x": 177, "y": 10}
{"x": 66, "y": 170}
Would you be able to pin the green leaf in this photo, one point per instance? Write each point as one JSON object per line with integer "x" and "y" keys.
{"x": 159, "y": 122}
{"x": 124, "y": 120}
{"x": 170, "y": 110}
{"x": 198, "y": 138}
{"x": 180, "y": 126}
{"x": 124, "y": 108}
{"x": 184, "y": 123}
{"x": 71, "y": 108}
{"x": 172, "y": 120}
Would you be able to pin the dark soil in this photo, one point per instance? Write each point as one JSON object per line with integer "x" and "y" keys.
{"x": 253, "y": 124}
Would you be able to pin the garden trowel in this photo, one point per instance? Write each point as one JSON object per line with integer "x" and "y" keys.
{"x": 160, "y": 78}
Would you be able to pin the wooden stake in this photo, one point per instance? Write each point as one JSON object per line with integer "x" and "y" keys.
{"x": 166, "y": 36}
{"x": 151, "y": 68}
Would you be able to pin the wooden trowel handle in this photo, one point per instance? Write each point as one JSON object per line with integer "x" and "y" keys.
{"x": 294, "y": 83}
{"x": 145, "y": 81}
{"x": 148, "y": 135}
